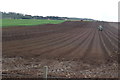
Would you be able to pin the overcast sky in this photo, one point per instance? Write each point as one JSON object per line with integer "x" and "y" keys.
{"x": 106, "y": 10}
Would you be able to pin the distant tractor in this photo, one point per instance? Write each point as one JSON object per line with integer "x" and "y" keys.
{"x": 100, "y": 28}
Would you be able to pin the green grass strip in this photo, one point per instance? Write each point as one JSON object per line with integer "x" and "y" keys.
{"x": 27, "y": 22}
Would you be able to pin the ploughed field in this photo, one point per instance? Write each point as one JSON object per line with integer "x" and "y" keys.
{"x": 73, "y": 49}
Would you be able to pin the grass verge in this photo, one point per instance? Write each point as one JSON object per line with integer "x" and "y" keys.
{"x": 27, "y": 22}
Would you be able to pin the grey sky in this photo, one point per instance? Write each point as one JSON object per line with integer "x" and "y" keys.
{"x": 106, "y": 10}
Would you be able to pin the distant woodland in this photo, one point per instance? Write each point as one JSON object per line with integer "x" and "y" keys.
{"x": 13, "y": 15}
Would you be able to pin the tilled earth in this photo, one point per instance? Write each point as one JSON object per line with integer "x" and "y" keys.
{"x": 73, "y": 49}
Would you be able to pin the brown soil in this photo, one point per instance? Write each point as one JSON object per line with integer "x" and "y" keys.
{"x": 70, "y": 49}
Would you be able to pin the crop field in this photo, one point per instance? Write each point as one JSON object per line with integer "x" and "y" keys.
{"x": 72, "y": 49}
{"x": 27, "y": 22}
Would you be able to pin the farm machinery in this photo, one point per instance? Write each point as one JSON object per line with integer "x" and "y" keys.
{"x": 100, "y": 28}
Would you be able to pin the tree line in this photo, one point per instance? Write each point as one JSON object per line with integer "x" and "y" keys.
{"x": 13, "y": 15}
